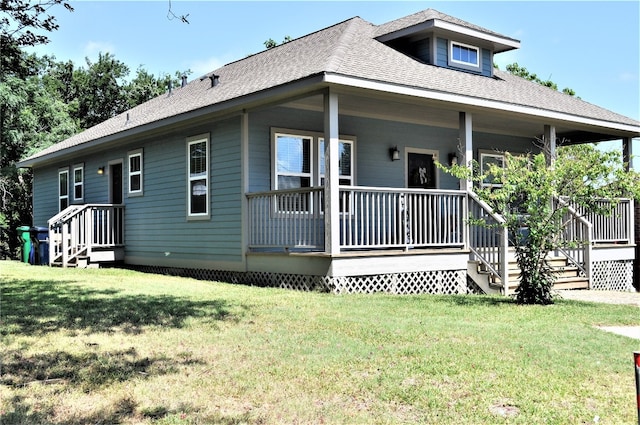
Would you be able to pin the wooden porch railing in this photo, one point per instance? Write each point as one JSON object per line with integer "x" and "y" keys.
{"x": 370, "y": 218}
{"x": 615, "y": 227}
{"x": 577, "y": 239}
{"x": 489, "y": 240}
{"x": 79, "y": 229}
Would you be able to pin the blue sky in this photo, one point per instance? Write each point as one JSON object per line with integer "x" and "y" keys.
{"x": 591, "y": 47}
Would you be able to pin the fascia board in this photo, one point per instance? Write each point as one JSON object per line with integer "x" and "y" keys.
{"x": 476, "y": 102}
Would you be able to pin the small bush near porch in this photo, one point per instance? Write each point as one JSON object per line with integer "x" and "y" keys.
{"x": 116, "y": 346}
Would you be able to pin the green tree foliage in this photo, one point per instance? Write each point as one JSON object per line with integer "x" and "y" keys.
{"x": 526, "y": 186}
{"x": 523, "y": 72}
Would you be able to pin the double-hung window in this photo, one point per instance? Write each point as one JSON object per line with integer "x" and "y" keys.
{"x": 135, "y": 172}
{"x": 63, "y": 188}
{"x": 198, "y": 176}
{"x": 299, "y": 162}
{"x": 78, "y": 182}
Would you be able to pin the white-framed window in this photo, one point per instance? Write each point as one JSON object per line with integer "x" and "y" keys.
{"x": 345, "y": 162}
{"x": 78, "y": 182}
{"x": 464, "y": 55}
{"x": 135, "y": 173}
{"x": 298, "y": 162}
{"x": 63, "y": 188}
{"x": 198, "y": 177}
{"x": 486, "y": 159}
{"x": 298, "y": 159}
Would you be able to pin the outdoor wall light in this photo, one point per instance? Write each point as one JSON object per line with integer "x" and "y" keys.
{"x": 100, "y": 171}
{"x": 394, "y": 153}
{"x": 453, "y": 158}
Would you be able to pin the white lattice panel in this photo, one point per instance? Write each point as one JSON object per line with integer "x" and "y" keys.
{"x": 612, "y": 276}
{"x": 425, "y": 282}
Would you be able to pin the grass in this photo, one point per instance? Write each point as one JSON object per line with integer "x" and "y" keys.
{"x": 116, "y": 346}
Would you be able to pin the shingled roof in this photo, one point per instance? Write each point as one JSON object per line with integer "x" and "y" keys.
{"x": 349, "y": 49}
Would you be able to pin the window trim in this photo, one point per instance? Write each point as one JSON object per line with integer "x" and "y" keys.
{"x": 140, "y": 172}
{"x": 491, "y": 154}
{"x": 316, "y": 155}
{"x": 80, "y": 184}
{"x": 191, "y": 141}
{"x": 61, "y": 172}
{"x": 462, "y": 64}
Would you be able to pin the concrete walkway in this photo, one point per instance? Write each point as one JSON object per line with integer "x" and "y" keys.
{"x": 609, "y": 297}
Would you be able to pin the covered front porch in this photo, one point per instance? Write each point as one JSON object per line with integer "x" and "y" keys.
{"x": 412, "y": 236}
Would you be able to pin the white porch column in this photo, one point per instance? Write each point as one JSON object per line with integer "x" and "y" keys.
{"x": 466, "y": 146}
{"x": 627, "y": 152}
{"x": 331, "y": 174}
{"x": 550, "y": 144}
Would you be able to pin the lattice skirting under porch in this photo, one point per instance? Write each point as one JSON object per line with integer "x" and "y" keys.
{"x": 425, "y": 282}
{"x": 612, "y": 275}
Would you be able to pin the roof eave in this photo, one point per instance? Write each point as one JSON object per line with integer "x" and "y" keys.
{"x": 226, "y": 108}
{"x": 620, "y": 128}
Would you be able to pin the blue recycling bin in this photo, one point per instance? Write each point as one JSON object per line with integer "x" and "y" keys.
{"x": 40, "y": 237}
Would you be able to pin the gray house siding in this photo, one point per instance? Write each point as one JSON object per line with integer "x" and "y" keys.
{"x": 158, "y": 231}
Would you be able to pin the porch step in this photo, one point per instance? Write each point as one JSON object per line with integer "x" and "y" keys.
{"x": 567, "y": 275}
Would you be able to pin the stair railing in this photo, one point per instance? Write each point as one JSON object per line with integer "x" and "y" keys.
{"x": 488, "y": 239}
{"x": 576, "y": 239}
{"x": 75, "y": 231}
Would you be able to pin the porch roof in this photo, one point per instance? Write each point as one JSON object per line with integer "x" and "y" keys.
{"x": 348, "y": 49}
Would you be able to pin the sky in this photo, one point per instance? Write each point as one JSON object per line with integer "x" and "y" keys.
{"x": 591, "y": 47}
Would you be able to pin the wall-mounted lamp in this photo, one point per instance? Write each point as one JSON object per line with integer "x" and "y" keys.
{"x": 394, "y": 153}
{"x": 453, "y": 158}
{"x": 100, "y": 171}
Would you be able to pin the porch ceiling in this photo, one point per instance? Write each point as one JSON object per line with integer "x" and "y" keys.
{"x": 443, "y": 114}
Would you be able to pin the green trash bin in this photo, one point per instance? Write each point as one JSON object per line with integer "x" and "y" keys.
{"x": 24, "y": 233}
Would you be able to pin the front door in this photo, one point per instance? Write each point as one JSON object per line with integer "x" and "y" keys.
{"x": 420, "y": 168}
{"x": 115, "y": 183}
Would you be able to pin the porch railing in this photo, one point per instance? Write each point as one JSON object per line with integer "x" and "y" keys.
{"x": 489, "y": 240}
{"x": 370, "y": 218}
{"x": 614, "y": 227}
{"x": 79, "y": 229}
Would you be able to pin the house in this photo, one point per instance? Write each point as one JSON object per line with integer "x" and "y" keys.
{"x": 312, "y": 164}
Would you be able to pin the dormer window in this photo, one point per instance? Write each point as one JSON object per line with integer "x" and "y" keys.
{"x": 464, "y": 55}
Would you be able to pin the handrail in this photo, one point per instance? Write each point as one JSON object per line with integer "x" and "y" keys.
{"x": 78, "y": 229}
{"x": 580, "y": 235}
{"x": 489, "y": 243}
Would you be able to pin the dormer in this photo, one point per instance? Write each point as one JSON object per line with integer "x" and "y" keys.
{"x": 442, "y": 40}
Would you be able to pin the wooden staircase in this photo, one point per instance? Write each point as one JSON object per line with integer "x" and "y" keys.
{"x": 87, "y": 235}
{"x": 568, "y": 276}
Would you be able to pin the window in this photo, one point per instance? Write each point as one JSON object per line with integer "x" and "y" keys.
{"x": 63, "y": 189}
{"x": 299, "y": 160}
{"x": 463, "y": 54}
{"x": 486, "y": 159}
{"x": 78, "y": 182}
{"x": 198, "y": 176}
{"x": 135, "y": 172}
{"x": 345, "y": 162}
{"x": 293, "y": 161}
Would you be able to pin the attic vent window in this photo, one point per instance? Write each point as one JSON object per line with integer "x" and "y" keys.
{"x": 463, "y": 54}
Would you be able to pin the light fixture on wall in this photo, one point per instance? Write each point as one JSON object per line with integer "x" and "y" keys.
{"x": 453, "y": 158}
{"x": 100, "y": 171}
{"x": 394, "y": 153}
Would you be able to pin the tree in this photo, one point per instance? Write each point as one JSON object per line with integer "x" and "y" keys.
{"x": 271, "y": 43}
{"x": 521, "y": 71}
{"x": 523, "y": 195}
{"x": 18, "y": 21}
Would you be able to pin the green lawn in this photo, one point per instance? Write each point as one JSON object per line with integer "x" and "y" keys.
{"x": 115, "y": 346}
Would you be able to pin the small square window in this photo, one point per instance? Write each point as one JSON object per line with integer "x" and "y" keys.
{"x": 464, "y": 55}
